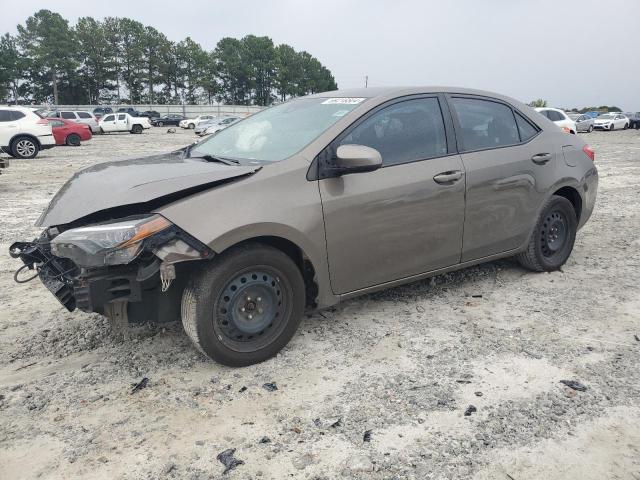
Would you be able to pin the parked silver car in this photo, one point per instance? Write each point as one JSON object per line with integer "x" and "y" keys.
{"x": 309, "y": 203}
{"x": 584, "y": 123}
{"x": 78, "y": 116}
{"x": 202, "y": 126}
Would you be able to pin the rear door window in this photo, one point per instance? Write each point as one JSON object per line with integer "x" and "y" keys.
{"x": 403, "y": 132}
{"x": 485, "y": 123}
{"x": 68, "y": 115}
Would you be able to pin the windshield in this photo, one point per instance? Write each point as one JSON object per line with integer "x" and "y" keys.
{"x": 574, "y": 116}
{"x": 277, "y": 132}
{"x": 606, "y": 115}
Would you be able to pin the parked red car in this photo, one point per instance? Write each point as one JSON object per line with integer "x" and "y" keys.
{"x": 69, "y": 133}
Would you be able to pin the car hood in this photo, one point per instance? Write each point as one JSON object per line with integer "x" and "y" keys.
{"x": 603, "y": 120}
{"x": 142, "y": 182}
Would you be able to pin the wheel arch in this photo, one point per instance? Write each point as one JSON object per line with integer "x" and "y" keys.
{"x": 313, "y": 270}
{"x": 32, "y": 137}
{"x": 573, "y": 195}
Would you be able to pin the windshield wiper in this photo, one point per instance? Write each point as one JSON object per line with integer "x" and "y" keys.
{"x": 211, "y": 158}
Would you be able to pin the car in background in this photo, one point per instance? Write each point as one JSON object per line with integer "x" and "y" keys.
{"x": 150, "y": 114}
{"x": 130, "y": 110}
{"x": 23, "y": 132}
{"x": 171, "y": 119}
{"x": 634, "y": 120}
{"x": 123, "y": 122}
{"x": 611, "y": 121}
{"x": 68, "y": 132}
{"x": 219, "y": 125}
{"x": 99, "y": 112}
{"x": 584, "y": 123}
{"x": 559, "y": 117}
{"x": 78, "y": 116}
{"x": 194, "y": 122}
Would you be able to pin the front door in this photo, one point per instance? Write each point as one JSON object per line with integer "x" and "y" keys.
{"x": 109, "y": 123}
{"x": 405, "y": 218}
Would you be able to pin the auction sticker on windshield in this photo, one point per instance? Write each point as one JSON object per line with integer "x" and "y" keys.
{"x": 343, "y": 101}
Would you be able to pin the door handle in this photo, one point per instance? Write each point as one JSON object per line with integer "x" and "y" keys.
{"x": 448, "y": 177}
{"x": 541, "y": 158}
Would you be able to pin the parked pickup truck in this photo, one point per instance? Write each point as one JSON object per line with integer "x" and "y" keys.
{"x": 123, "y": 122}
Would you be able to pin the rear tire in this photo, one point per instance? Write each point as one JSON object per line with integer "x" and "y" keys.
{"x": 73, "y": 140}
{"x": 137, "y": 129}
{"x": 552, "y": 240}
{"x": 244, "y": 306}
{"x": 160, "y": 124}
{"x": 24, "y": 147}
{"x": 626, "y": 125}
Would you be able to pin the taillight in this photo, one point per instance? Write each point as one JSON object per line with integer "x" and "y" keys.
{"x": 588, "y": 151}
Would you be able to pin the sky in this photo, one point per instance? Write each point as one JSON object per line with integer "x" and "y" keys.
{"x": 572, "y": 53}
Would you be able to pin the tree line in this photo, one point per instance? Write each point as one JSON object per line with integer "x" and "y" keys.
{"x": 540, "y": 102}
{"x": 120, "y": 60}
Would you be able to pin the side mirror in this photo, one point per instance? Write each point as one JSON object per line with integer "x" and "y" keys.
{"x": 357, "y": 158}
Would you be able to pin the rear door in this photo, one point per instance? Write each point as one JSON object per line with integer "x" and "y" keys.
{"x": 508, "y": 166}
{"x": 397, "y": 221}
{"x": 121, "y": 122}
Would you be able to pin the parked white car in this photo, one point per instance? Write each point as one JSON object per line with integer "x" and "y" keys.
{"x": 79, "y": 116}
{"x": 611, "y": 121}
{"x": 194, "y": 122}
{"x": 123, "y": 122}
{"x": 559, "y": 117}
{"x": 219, "y": 125}
{"x": 23, "y": 133}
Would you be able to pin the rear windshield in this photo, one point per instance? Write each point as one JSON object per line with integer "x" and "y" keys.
{"x": 277, "y": 132}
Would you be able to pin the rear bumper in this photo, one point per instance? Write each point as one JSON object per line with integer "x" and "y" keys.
{"x": 47, "y": 141}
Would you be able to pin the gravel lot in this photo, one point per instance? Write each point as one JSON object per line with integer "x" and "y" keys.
{"x": 403, "y": 365}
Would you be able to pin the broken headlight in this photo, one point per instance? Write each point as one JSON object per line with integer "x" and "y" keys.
{"x": 107, "y": 244}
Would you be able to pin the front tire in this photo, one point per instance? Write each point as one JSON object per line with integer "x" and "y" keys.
{"x": 590, "y": 128}
{"x": 191, "y": 126}
{"x": 24, "y": 147}
{"x": 244, "y": 306}
{"x": 611, "y": 127}
{"x": 553, "y": 237}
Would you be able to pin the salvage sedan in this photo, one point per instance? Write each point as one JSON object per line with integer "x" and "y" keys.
{"x": 309, "y": 203}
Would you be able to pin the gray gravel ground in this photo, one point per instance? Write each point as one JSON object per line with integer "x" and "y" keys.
{"x": 403, "y": 365}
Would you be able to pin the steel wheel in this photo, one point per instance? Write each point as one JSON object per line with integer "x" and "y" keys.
{"x": 251, "y": 309}
{"x": 553, "y": 234}
{"x": 73, "y": 140}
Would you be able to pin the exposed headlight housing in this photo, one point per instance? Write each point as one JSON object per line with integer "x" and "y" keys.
{"x": 115, "y": 243}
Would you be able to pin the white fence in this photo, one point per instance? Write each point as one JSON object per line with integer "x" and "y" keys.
{"x": 186, "y": 110}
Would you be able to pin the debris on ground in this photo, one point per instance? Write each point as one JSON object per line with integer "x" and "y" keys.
{"x": 140, "y": 385}
{"x": 637, "y": 338}
{"x": 243, "y": 389}
{"x": 367, "y": 436}
{"x": 477, "y": 394}
{"x": 336, "y": 424}
{"x": 265, "y": 440}
{"x": 470, "y": 409}
{"x": 270, "y": 387}
{"x": 228, "y": 460}
{"x": 574, "y": 385}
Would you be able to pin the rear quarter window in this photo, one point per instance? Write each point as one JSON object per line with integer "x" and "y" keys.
{"x": 5, "y": 116}
{"x": 68, "y": 115}
{"x": 84, "y": 115}
{"x": 526, "y": 129}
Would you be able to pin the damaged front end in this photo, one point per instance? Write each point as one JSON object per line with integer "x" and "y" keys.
{"x": 130, "y": 270}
